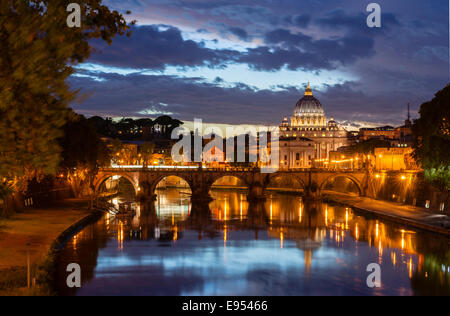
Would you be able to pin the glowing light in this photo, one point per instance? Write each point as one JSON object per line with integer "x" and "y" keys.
{"x": 175, "y": 233}
{"x": 225, "y": 212}
{"x": 225, "y": 236}
{"x": 300, "y": 214}
{"x": 241, "y": 212}
{"x": 281, "y": 239}
{"x": 403, "y": 239}
{"x": 75, "y": 241}
{"x": 120, "y": 236}
{"x": 271, "y": 212}
{"x": 346, "y": 219}
{"x": 410, "y": 268}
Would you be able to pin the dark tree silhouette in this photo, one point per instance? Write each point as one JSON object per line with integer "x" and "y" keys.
{"x": 83, "y": 153}
{"x": 37, "y": 54}
{"x": 432, "y": 139}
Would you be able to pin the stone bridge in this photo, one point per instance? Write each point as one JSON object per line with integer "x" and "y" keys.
{"x": 201, "y": 180}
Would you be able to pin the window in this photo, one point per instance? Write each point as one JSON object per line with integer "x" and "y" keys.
{"x": 297, "y": 156}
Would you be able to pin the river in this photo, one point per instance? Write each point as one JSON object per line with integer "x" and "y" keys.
{"x": 284, "y": 246}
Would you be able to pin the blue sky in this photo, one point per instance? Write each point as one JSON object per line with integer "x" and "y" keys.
{"x": 243, "y": 61}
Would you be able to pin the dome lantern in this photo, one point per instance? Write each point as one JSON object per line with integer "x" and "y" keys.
{"x": 308, "y": 105}
{"x": 308, "y": 91}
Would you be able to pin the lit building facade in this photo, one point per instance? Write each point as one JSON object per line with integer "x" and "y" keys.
{"x": 308, "y": 135}
{"x": 401, "y": 136}
{"x": 394, "y": 159}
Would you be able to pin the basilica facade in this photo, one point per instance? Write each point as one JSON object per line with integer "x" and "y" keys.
{"x": 308, "y": 135}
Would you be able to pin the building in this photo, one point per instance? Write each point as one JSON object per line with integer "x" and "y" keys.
{"x": 400, "y": 137}
{"x": 296, "y": 152}
{"x": 394, "y": 159}
{"x": 403, "y": 134}
{"x": 382, "y": 133}
{"x": 308, "y": 136}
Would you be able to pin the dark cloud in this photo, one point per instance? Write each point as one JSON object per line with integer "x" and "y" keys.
{"x": 301, "y": 20}
{"x": 338, "y": 19}
{"x": 155, "y": 47}
{"x": 404, "y": 61}
{"x": 239, "y": 32}
{"x": 188, "y": 98}
{"x": 299, "y": 51}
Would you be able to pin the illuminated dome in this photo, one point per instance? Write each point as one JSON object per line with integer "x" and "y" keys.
{"x": 309, "y": 112}
{"x": 308, "y": 105}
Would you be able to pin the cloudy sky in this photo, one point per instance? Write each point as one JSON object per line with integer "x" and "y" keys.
{"x": 248, "y": 61}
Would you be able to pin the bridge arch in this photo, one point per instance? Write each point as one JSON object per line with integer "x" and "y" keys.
{"x": 240, "y": 180}
{"x": 156, "y": 181}
{"x": 345, "y": 176}
{"x": 105, "y": 177}
{"x": 293, "y": 179}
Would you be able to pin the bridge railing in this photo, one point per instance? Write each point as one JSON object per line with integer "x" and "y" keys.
{"x": 206, "y": 169}
{"x": 177, "y": 168}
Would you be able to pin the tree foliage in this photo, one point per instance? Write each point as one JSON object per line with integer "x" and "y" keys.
{"x": 137, "y": 129}
{"x": 82, "y": 146}
{"x": 37, "y": 55}
{"x": 432, "y": 139}
{"x": 83, "y": 152}
{"x": 147, "y": 150}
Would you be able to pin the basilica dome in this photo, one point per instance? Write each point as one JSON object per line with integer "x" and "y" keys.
{"x": 308, "y": 105}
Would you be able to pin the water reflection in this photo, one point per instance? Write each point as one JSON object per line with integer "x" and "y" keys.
{"x": 284, "y": 246}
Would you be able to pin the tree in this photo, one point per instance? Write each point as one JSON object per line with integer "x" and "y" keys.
{"x": 101, "y": 125}
{"x": 37, "y": 55}
{"x": 432, "y": 139}
{"x": 83, "y": 152}
{"x": 168, "y": 124}
{"x": 146, "y": 151}
{"x": 116, "y": 150}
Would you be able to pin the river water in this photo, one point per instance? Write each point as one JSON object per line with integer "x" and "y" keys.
{"x": 281, "y": 247}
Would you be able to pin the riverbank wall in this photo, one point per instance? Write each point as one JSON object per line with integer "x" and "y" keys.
{"x": 409, "y": 188}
